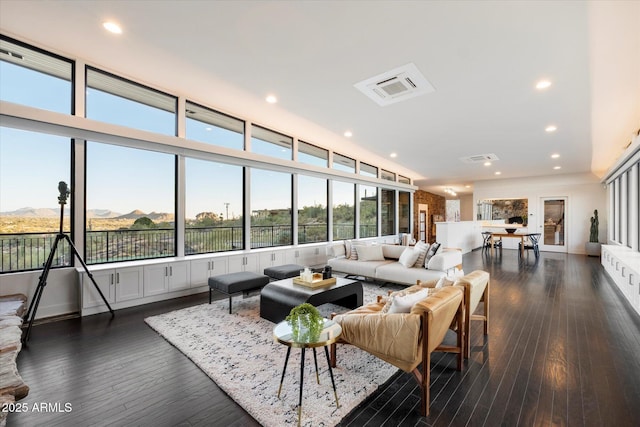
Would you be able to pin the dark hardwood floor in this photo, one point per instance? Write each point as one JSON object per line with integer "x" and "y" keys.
{"x": 563, "y": 349}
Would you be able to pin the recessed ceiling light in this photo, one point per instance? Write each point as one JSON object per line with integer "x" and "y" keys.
{"x": 271, "y": 99}
{"x": 543, "y": 84}
{"x": 393, "y": 155}
{"x": 487, "y": 163}
{"x": 557, "y": 167}
{"x": 348, "y": 134}
{"x": 555, "y": 155}
{"x": 208, "y": 129}
{"x": 467, "y": 186}
{"x": 112, "y": 27}
{"x": 498, "y": 173}
{"x": 551, "y": 128}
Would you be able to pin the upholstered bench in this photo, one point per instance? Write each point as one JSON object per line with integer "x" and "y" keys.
{"x": 281, "y": 272}
{"x": 233, "y": 283}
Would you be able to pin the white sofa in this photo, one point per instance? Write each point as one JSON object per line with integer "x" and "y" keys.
{"x": 389, "y": 269}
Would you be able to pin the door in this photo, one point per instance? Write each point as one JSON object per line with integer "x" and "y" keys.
{"x": 422, "y": 226}
{"x": 554, "y": 227}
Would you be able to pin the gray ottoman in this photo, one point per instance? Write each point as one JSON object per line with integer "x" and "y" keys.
{"x": 286, "y": 271}
{"x": 233, "y": 283}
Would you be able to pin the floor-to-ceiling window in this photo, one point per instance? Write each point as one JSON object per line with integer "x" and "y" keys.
{"x": 32, "y": 163}
{"x": 368, "y": 170}
{"x": 343, "y": 163}
{"x": 115, "y": 100}
{"x": 388, "y": 213}
{"x": 312, "y": 209}
{"x": 31, "y": 167}
{"x": 344, "y": 210}
{"x": 368, "y": 211}
{"x": 213, "y": 207}
{"x": 270, "y": 143}
{"x": 404, "y": 211}
{"x": 206, "y": 125}
{"x": 312, "y": 155}
{"x": 130, "y": 204}
{"x": 35, "y": 78}
{"x": 122, "y": 227}
{"x": 271, "y": 216}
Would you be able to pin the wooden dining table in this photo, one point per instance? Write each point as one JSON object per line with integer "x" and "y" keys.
{"x": 520, "y": 236}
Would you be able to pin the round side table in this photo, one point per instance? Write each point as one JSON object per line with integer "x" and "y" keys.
{"x": 330, "y": 333}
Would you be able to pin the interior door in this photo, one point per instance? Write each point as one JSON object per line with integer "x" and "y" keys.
{"x": 554, "y": 227}
{"x": 422, "y": 226}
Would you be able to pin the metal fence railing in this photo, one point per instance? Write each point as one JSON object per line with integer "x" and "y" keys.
{"x": 29, "y": 251}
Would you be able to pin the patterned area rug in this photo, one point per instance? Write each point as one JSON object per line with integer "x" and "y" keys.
{"x": 238, "y": 352}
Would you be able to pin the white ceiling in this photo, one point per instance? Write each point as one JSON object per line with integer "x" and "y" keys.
{"x": 483, "y": 58}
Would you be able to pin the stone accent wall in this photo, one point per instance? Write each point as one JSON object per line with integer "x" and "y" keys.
{"x": 437, "y": 206}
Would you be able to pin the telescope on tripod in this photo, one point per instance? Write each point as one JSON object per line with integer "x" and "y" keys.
{"x": 42, "y": 281}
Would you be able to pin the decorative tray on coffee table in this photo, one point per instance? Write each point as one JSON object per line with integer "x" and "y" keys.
{"x": 316, "y": 282}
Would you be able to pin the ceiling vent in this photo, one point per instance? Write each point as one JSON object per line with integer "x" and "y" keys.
{"x": 396, "y": 85}
{"x": 479, "y": 158}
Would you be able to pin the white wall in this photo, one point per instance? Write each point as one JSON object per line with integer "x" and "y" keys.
{"x": 60, "y": 294}
{"x": 584, "y": 192}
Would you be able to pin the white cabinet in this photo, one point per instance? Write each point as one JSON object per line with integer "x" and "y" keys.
{"x": 166, "y": 277}
{"x": 202, "y": 269}
{"x": 179, "y": 277}
{"x": 307, "y": 257}
{"x": 128, "y": 283}
{"x": 249, "y": 262}
{"x": 106, "y": 282}
{"x": 117, "y": 285}
{"x": 621, "y": 264}
{"x": 270, "y": 259}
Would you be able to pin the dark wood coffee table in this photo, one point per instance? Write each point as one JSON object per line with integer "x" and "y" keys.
{"x": 279, "y": 297}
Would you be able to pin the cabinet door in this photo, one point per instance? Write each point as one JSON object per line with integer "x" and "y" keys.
{"x": 179, "y": 276}
{"x": 293, "y": 257}
{"x": 105, "y": 280}
{"x": 128, "y": 283}
{"x": 201, "y": 271}
{"x": 236, "y": 263}
{"x": 252, "y": 263}
{"x": 155, "y": 279}
{"x": 218, "y": 266}
{"x": 266, "y": 259}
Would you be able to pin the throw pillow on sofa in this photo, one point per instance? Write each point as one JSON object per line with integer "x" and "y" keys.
{"x": 433, "y": 249}
{"x": 422, "y": 249}
{"x": 403, "y": 304}
{"x": 450, "y": 279}
{"x": 370, "y": 253}
{"x": 388, "y": 300}
{"x": 408, "y": 257}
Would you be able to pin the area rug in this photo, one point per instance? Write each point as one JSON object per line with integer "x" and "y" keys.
{"x": 238, "y": 352}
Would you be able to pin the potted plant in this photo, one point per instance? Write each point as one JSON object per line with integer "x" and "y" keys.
{"x": 592, "y": 247}
{"x": 306, "y": 322}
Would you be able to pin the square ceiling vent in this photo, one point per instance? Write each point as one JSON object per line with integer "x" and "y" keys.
{"x": 479, "y": 158}
{"x": 396, "y": 85}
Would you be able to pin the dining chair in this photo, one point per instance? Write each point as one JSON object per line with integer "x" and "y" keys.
{"x": 486, "y": 241}
{"x": 531, "y": 244}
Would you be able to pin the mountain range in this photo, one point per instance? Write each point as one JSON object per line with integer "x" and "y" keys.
{"x": 29, "y": 212}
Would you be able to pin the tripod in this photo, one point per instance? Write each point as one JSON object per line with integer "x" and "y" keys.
{"x": 42, "y": 282}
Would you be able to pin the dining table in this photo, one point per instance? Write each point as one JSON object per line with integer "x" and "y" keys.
{"x": 514, "y": 235}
